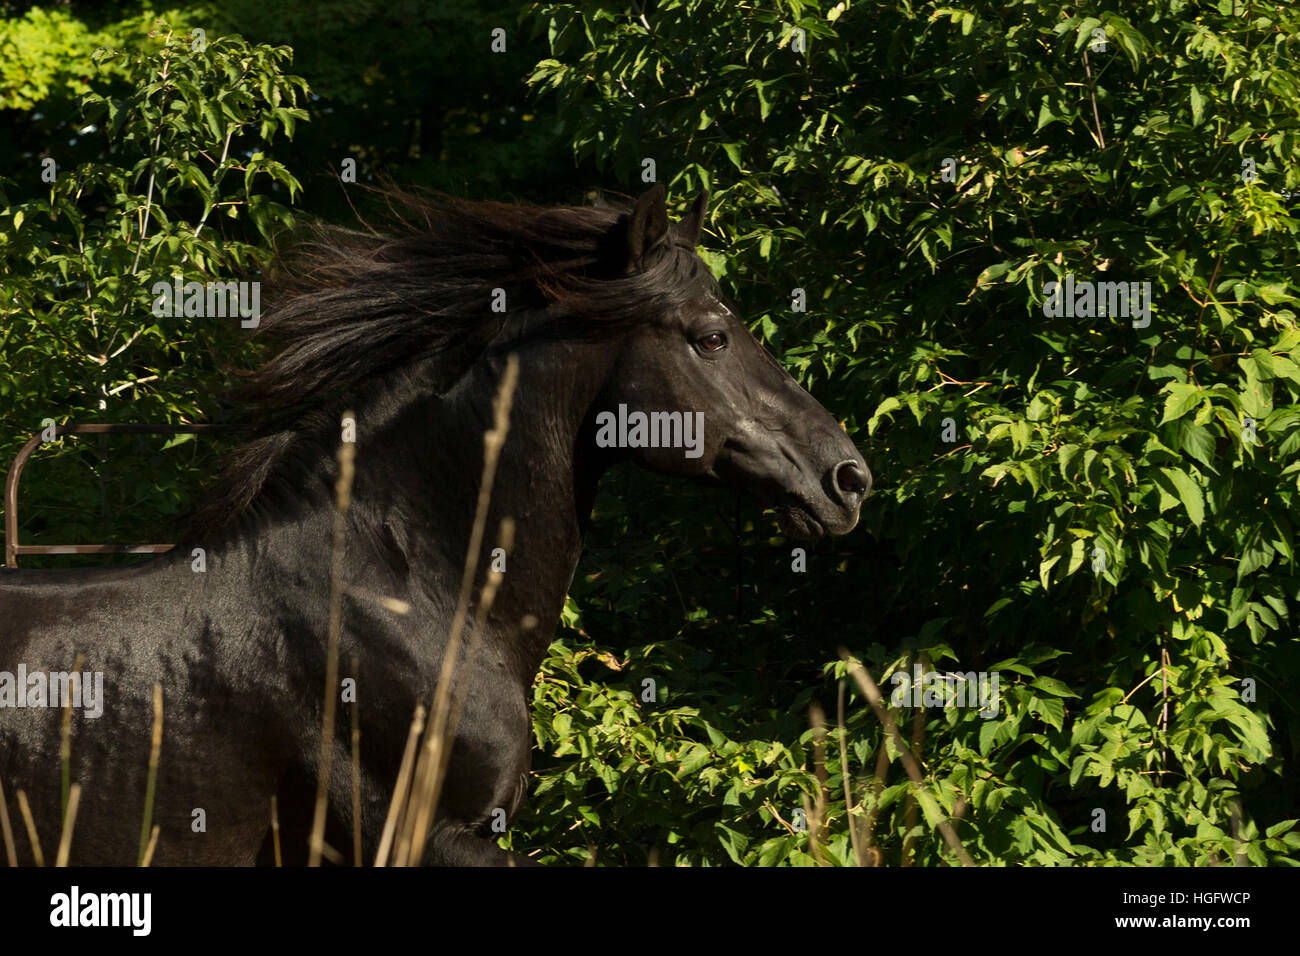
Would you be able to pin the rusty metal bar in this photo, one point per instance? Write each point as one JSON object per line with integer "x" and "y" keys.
{"x": 13, "y": 549}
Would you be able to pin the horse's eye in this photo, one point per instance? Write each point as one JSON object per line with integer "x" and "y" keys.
{"x": 713, "y": 342}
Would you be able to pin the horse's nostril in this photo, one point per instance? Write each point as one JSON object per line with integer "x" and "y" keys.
{"x": 852, "y": 478}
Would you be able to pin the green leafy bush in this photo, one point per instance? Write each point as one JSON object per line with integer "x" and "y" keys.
{"x": 186, "y": 188}
{"x": 1099, "y": 509}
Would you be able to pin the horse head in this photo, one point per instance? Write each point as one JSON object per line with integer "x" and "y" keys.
{"x": 693, "y": 393}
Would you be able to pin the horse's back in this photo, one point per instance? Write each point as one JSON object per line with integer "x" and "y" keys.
{"x": 134, "y": 628}
{"x": 47, "y": 610}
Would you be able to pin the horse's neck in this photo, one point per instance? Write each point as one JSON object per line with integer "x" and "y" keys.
{"x": 543, "y": 481}
{"x": 419, "y": 463}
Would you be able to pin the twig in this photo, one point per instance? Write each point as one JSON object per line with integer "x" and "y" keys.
{"x": 817, "y": 812}
{"x": 1238, "y": 853}
{"x": 1164, "y": 689}
{"x": 139, "y": 381}
{"x": 844, "y": 778}
{"x": 148, "y": 199}
{"x": 779, "y": 819}
{"x": 1092, "y": 94}
{"x": 1146, "y": 680}
{"x": 218, "y": 175}
{"x": 1164, "y": 709}
{"x": 1200, "y": 318}
{"x": 874, "y": 855}
{"x": 910, "y": 808}
{"x": 909, "y": 802}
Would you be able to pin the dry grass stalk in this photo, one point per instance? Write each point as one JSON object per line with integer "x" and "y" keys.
{"x": 65, "y": 737}
{"x": 401, "y": 792}
{"x": 431, "y": 757}
{"x": 873, "y": 853}
{"x": 356, "y": 768}
{"x": 26, "y": 811}
{"x": 342, "y": 499}
{"x": 6, "y": 830}
{"x": 776, "y": 815}
{"x": 332, "y": 855}
{"x": 439, "y": 755}
{"x": 395, "y": 605}
{"x": 149, "y": 850}
{"x": 69, "y": 820}
{"x": 487, "y": 597}
{"x": 155, "y": 749}
{"x": 275, "y": 831}
{"x": 910, "y": 764}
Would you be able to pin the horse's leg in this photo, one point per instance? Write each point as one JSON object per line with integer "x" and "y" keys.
{"x": 487, "y": 780}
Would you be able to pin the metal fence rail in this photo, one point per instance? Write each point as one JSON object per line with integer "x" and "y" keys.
{"x": 13, "y": 549}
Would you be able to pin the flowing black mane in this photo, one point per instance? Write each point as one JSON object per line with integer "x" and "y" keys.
{"x": 345, "y": 304}
{"x": 348, "y": 305}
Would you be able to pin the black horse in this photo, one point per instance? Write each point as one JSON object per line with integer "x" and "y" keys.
{"x": 604, "y": 307}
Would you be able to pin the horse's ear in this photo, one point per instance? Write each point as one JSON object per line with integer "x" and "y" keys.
{"x": 647, "y": 227}
{"x": 689, "y": 228}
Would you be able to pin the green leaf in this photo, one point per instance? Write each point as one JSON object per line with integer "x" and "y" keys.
{"x": 1186, "y": 490}
{"x": 1197, "y": 99}
{"x": 1182, "y": 398}
{"x": 1197, "y": 441}
{"x": 733, "y": 153}
{"x": 1050, "y": 709}
{"x": 1051, "y": 685}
